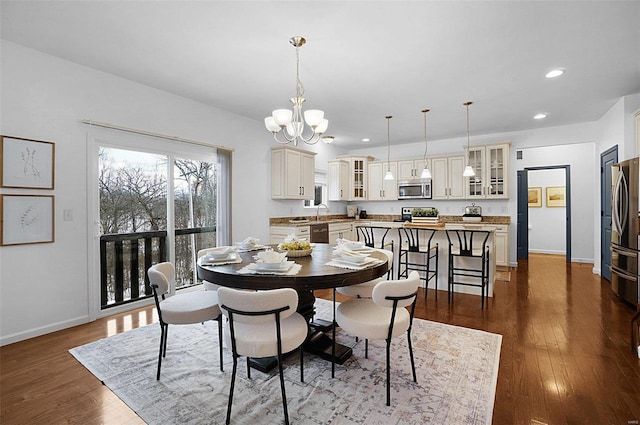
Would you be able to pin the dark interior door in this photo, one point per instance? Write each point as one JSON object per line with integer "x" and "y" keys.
{"x": 607, "y": 159}
{"x": 523, "y": 215}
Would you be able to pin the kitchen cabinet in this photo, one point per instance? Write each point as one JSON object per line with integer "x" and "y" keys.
{"x": 357, "y": 176}
{"x": 340, "y": 231}
{"x": 338, "y": 180}
{"x": 491, "y": 165}
{"x": 409, "y": 169}
{"x": 380, "y": 189}
{"x": 447, "y": 181}
{"x": 279, "y": 233}
{"x": 292, "y": 174}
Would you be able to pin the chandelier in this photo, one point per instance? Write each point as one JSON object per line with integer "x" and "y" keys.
{"x": 287, "y": 125}
{"x": 468, "y": 170}
{"x": 426, "y": 173}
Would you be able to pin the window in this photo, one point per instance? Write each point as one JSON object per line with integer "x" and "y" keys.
{"x": 320, "y": 190}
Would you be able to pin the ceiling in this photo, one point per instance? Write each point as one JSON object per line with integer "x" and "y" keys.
{"x": 363, "y": 59}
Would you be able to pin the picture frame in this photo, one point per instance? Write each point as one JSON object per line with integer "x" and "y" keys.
{"x": 26, "y": 163}
{"x": 556, "y": 197}
{"x": 535, "y": 197}
{"x": 26, "y": 219}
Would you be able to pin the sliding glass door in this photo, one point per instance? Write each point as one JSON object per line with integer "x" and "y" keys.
{"x": 152, "y": 206}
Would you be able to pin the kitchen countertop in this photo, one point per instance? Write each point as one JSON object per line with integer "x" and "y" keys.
{"x": 379, "y": 218}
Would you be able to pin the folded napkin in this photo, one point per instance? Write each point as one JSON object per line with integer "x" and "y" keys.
{"x": 294, "y": 238}
{"x": 250, "y": 241}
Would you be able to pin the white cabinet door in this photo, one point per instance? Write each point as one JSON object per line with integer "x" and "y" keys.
{"x": 439, "y": 179}
{"x": 293, "y": 173}
{"x": 447, "y": 180}
{"x": 338, "y": 180}
{"x": 456, "y": 180}
{"x": 340, "y": 231}
{"x": 307, "y": 175}
{"x": 380, "y": 189}
{"x": 410, "y": 169}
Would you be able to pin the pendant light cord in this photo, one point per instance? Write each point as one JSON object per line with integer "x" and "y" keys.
{"x": 467, "y": 104}
{"x": 388, "y": 143}
{"x": 424, "y": 111}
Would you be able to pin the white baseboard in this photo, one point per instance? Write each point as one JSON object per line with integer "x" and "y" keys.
{"x": 31, "y": 333}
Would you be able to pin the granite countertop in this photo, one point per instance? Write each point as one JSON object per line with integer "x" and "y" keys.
{"x": 285, "y": 221}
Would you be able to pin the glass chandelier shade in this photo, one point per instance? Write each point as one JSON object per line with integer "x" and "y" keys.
{"x": 468, "y": 170}
{"x": 288, "y": 125}
{"x": 388, "y": 175}
{"x": 426, "y": 173}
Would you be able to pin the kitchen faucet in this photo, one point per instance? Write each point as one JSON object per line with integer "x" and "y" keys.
{"x": 318, "y": 211}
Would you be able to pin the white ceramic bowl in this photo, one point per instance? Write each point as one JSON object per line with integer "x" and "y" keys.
{"x": 272, "y": 256}
{"x": 354, "y": 245}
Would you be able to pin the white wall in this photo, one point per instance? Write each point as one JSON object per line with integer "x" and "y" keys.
{"x": 547, "y": 226}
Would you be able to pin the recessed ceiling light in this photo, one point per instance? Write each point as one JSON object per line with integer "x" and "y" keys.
{"x": 540, "y": 116}
{"x": 554, "y": 73}
{"x": 365, "y": 140}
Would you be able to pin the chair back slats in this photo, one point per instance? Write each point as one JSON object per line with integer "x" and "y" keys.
{"x": 414, "y": 238}
{"x": 368, "y": 235}
{"x": 466, "y": 239}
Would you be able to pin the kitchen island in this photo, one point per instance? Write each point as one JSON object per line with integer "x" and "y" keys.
{"x": 497, "y": 251}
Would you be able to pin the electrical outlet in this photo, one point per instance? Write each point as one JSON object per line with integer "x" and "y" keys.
{"x": 67, "y": 215}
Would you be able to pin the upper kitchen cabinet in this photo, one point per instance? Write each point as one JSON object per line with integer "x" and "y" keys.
{"x": 292, "y": 174}
{"x": 338, "y": 184}
{"x": 491, "y": 165}
{"x": 447, "y": 181}
{"x": 358, "y": 169}
{"x": 411, "y": 168}
{"x": 379, "y": 188}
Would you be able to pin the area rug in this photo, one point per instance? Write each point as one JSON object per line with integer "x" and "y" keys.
{"x": 457, "y": 371}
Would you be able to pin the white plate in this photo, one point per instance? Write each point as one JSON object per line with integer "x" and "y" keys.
{"x": 354, "y": 260}
{"x": 270, "y": 267}
{"x": 209, "y": 260}
{"x": 367, "y": 262}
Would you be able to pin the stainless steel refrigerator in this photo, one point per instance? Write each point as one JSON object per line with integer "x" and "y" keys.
{"x": 624, "y": 230}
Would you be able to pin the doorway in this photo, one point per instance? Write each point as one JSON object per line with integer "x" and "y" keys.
{"x": 523, "y": 208}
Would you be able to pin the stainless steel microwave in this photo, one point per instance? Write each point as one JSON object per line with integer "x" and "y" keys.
{"x": 414, "y": 189}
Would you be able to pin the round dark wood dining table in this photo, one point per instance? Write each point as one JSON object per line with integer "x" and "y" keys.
{"x": 314, "y": 274}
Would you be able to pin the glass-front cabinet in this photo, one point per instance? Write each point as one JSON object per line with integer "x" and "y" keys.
{"x": 358, "y": 170}
{"x": 491, "y": 165}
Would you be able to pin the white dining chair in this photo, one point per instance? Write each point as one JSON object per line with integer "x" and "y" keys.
{"x": 383, "y": 316}
{"x": 181, "y": 309}
{"x": 262, "y": 324}
{"x": 208, "y": 286}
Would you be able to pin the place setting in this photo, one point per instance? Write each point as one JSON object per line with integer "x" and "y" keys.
{"x": 271, "y": 262}
{"x": 249, "y": 244}
{"x": 219, "y": 256}
{"x": 353, "y": 255}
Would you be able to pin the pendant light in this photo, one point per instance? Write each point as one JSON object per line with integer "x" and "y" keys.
{"x": 426, "y": 174}
{"x": 388, "y": 175}
{"x": 468, "y": 171}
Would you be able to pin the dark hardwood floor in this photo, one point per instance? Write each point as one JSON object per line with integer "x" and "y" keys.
{"x": 565, "y": 355}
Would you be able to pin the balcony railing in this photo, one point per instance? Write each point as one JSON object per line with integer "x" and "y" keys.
{"x": 125, "y": 258}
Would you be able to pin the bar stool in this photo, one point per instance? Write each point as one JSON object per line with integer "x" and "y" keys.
{"x": 419, "y": 242}
{"x": 469, "y": 245}
{"x": 370, "y": 234}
